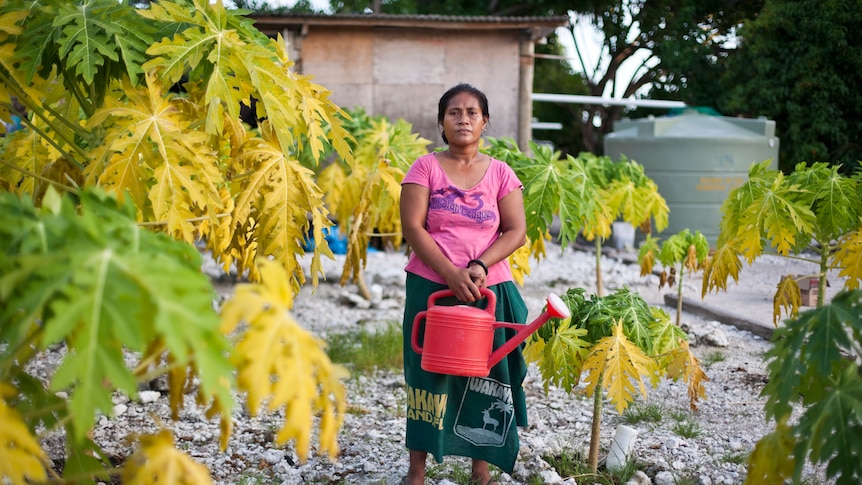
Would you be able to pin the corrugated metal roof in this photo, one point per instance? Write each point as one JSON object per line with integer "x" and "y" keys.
{"x": 371, "y": 18}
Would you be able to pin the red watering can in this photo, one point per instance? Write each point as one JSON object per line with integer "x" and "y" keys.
{"x": 459, "y": 339}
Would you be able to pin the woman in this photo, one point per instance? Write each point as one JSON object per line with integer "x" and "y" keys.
{"x": 462, "y": 213}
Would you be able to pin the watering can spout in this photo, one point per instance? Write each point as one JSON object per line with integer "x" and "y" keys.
{"x": 555, "y": 308}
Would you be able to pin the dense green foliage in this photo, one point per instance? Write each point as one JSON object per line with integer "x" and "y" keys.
{"x": 665, "y": 39}
{"x": 799, "y": 65}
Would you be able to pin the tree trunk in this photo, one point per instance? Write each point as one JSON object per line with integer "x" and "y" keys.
{"x": 600, "y": 284}
{"x": 679, "y": 296}
{"x": 595, "y": 433}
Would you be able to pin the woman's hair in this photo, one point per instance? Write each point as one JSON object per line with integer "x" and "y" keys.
{"x": 454, "y": 91}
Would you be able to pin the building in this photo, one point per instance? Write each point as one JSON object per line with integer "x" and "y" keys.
{"x": 398, "y": 66}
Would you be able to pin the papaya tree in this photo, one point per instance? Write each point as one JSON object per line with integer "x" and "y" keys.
{"x": 363, "y": 192}
{"x": 814, "y": 207}
{"x": 588, "y": 193}
{"x": 680, "y": 252}
{"x": 615, "y": 343}
{"x": 134, "y": 151}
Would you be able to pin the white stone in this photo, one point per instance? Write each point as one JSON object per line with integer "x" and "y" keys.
{"x": 664, "y": 478}
{"x": 273, "y": 456}
{"x": 639, "y": 478}
{"x": 550, "y": 477}
{"x": 147, "y": 397}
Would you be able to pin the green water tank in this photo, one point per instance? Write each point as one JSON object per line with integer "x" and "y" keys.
{"x": 696, "y": 160}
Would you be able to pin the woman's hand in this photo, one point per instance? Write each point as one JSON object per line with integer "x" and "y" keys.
{"x": 465, "y": 283}
{"x": 477, "y": 274}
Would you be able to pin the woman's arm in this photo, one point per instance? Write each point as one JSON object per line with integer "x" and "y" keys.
{"x": 414, "y": 210}
{"x": 513, "y": 229}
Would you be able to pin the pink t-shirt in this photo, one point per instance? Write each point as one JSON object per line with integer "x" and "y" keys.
{"x": 464, "y": 223}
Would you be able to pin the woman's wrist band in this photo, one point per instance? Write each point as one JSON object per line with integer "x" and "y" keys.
{"x": 480, "y": 263}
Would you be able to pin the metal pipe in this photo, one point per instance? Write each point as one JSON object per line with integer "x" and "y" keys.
{"x": 582, "y": 99}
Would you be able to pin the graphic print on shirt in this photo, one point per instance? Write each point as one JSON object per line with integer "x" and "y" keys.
{"x": 486, "y": 412}
{"x": 452, "y": 199}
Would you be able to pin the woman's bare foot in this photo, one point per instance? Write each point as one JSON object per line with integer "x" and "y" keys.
{"x": 416, "y": 472}
{"x": 481, "y": 474}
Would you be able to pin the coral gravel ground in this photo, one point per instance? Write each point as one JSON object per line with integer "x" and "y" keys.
{"x": 677, "y": 446}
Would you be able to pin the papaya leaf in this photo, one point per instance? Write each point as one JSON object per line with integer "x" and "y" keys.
{"x": 647, "y": 254}
{"x": 831, "y": 430}
{"x": 788, "y": 297}
{"x": 280, "y": 197}
{"x": 26, "y": 151}
{"x": 684, "y": 365}
{"x": 91, "y": 43}
{"x": 620, "y": 362}
{"x": 179, "y": 173}
{"x": 674, "y": 249}
{"x": 636, "y": 316}
{"x": 559, "y": 357}
{"x": 829, "y": 335}
{"x": 157, "y": 461}
{"x": 779, "y": 217}
{"x": 110, "y": 286}
{"x": 848, "y": 257}
{"x": 22, "y": 460}
{"x": 665, "y": 335}
{"x": 810, "y": 350}
{"x": 725, "y": 263}
{"x": 282, "y": 365}
{"x": 519, "y": 262}
{"x": 543, "y": 191}
{"x": 653, "y": 205}
{"x": 835, "y": 202}
{"x": 772, "y": 460}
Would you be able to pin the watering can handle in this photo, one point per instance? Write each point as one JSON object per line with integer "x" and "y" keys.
{"x": 491, "y": 308}
{"x": 414, "y": 337}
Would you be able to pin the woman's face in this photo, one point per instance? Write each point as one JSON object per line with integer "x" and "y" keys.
{"x": 463, "y": 120}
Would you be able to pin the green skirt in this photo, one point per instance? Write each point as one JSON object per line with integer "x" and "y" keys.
{"x": 475, "y": 417}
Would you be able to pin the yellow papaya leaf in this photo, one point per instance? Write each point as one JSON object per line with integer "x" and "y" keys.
{"x": 618, "y": 362}
{"x": 278, "y": 202}
{"x": 519, "y": 262}
{"x": 691, "y": 262}
{"x": 280, "y": 363}
{"x": 22, "y": 460}
{"x": 559, "y": 355}
{"x": 787, "y": 296}
{"x": 647, "y": 254}
{"x": 28, "y": 155}
{"x": 725, "y": 263}
{"x": 537, "y": 246}
{"x": 772, "y": 460}
{"x": 332, "y": 181}
{"x": 157, "y": 461}
{"x": 683, "y": 364}
{"x": 848, "y": 257}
